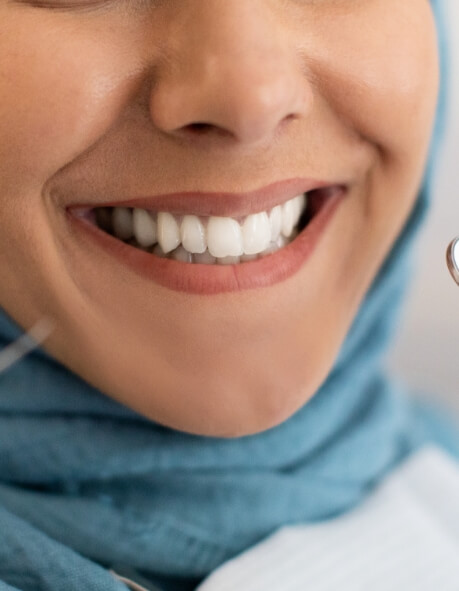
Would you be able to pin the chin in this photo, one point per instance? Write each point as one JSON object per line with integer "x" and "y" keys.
{"x": 228, "y": 415}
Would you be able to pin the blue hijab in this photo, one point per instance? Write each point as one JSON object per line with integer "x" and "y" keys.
{"x": 87, "y": 484}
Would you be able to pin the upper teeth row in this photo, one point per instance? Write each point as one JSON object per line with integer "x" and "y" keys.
{"x": 221, "y": 236}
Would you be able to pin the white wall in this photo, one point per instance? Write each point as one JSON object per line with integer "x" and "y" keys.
{"x": 427, "y": 349}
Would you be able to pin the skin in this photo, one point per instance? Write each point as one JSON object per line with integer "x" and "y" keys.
{"x": 97, "y": 102}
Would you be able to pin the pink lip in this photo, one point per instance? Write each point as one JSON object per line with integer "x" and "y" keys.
{"x": 215, "y": 279}
{"x": 218, "y": 204}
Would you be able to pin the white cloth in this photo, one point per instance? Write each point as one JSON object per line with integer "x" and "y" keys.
{"x": 405, "y": 536}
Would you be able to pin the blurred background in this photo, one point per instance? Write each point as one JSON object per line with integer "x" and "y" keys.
{"x": 426, "y": 351}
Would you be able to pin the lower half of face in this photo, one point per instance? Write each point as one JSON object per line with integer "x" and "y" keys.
{"x": 160, "y": 135}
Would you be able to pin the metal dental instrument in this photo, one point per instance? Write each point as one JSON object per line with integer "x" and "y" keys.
{"x": 452, "y": 258}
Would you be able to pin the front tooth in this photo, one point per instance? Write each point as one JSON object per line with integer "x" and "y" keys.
{"x": 122, "y": 223}
{"x": 275, "y": 220}
{"x": 288, "y": 212}
{"x": 168, "y": 231}
{"x": 193, "y": 234}
{"x": 224, "y": 237}
{"x": 144, "y": 227}
{"x": 256, "y": 233}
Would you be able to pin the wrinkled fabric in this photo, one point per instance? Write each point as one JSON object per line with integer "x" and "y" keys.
{"x": 87, "y": 484}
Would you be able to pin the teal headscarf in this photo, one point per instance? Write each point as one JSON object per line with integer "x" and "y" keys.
{"x": 87, "y": 485}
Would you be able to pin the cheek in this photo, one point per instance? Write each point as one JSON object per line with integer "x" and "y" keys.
{"x": 62, "y": 83}
{"x": 378, "y": 68}
{"x": 57, "y": 93}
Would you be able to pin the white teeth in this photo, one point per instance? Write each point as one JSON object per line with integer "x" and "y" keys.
{"x": 193, "y": 234}
{"x": 168, "y": 231}
{"x": 275, "y": 220}
{"x": 212, "y": 240}
{"x": 299, "y": 205}
{"x": 224, "y": 237}
{"x": 275, "y": 245}
{"x": 281, "y": 242}
{"x": 122, "y": 223}
{"x": 144, "y": 227}
{"x": 256, "y": 233}
{"x": 288, "y": 213}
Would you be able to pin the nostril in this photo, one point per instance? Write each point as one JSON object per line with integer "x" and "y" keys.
{"x": 200, "y": 128}
{"x": 205, "y": 129}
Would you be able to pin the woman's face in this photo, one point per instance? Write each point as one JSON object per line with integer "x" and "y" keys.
{"x": 104, "y": 102}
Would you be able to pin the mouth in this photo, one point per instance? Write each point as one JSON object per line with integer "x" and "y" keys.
{"x": 207, "y": 244}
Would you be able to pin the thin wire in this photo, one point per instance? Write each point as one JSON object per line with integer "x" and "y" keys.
{"x": 25, "y": 343}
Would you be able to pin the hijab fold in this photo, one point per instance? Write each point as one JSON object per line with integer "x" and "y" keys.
{"x": 87, "y": 484}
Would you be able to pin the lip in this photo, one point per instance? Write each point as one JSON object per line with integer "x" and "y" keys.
{"x": 217, "y": 204}
{"x": 215, "y": 279}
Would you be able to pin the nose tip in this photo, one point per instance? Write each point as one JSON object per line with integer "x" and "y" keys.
{"x": 236, "y": 106}
{"x": 245, "y": 85}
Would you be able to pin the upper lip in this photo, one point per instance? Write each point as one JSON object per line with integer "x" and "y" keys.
{"x": 221, "y": 203}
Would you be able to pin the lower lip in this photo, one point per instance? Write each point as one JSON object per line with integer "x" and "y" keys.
{"x": 214, "y": 279}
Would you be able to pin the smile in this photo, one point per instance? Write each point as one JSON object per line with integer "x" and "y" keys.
{"x": 204, "y": 240}
{"x": 172, "y": 241}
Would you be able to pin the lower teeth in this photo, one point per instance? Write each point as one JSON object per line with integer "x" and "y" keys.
{"x": 205, "y": 258}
